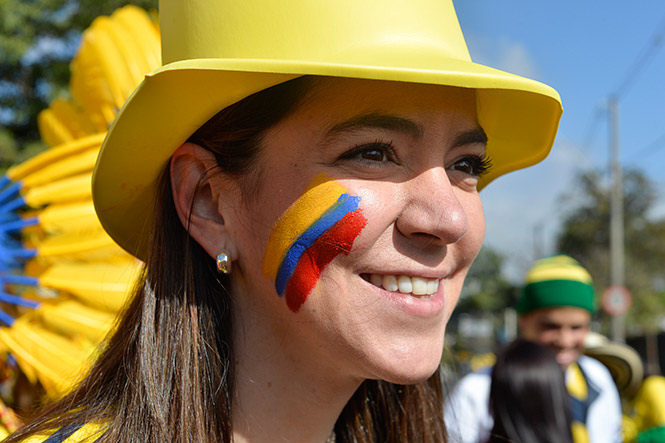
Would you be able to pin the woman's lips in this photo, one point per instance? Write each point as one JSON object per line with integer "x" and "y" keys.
{"x": 404, "y": 284}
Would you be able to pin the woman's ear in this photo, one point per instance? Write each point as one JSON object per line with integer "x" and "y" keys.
{"x": 195, "y": 185}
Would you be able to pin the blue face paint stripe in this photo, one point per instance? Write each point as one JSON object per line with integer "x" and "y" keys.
{"x": 328, "y": 219}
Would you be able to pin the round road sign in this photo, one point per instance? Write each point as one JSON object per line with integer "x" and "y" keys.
{"x": 616, "y": 300}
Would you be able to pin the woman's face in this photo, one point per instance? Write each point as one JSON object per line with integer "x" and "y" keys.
{"x": 369, "y": 189}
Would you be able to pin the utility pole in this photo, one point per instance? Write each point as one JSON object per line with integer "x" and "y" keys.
{"x": 616, "y": 217}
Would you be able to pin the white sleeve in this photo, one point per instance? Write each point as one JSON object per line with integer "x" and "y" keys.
{"x": 604, "y": 419}
{"x": 466, "y": 411}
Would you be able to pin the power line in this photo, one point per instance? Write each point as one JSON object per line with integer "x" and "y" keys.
{"x": 593, "y": 126}
{"x": 648, "y": 52}
{"x": 655, "y": 42}
{"x": 652, "y": 147}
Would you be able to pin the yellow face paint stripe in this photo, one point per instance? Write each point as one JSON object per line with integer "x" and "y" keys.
{"x": 321, "y": 194}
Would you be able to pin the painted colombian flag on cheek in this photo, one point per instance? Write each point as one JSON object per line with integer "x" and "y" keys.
{"x": 320, "y": 225}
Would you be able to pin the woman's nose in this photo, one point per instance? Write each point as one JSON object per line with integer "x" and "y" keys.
{"x": 432, "y": 212}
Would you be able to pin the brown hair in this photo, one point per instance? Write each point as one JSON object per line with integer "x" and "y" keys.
{"x": 166, "y": 375}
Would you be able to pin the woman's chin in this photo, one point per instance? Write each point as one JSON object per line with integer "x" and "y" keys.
{"x": 413, "y": 370}
{"x": 413, "y": 378}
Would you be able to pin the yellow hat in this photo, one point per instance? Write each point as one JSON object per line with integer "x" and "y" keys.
{"x": 623, "y": 362}
{"x": 216, "y": 53}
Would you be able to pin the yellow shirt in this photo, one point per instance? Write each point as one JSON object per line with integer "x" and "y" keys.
{"x": 88, "y": 433}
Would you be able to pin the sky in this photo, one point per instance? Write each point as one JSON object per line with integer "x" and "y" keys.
{"x": 588, "y": 51}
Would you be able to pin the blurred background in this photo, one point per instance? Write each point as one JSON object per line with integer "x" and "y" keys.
{"x": 607, "y": 62}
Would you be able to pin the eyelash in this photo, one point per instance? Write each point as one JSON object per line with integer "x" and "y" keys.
{"x": 480, "y": 164}
{"x": 386, "y": 148}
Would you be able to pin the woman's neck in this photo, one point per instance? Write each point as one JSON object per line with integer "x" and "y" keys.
{"x": 270, "y": 411}
{"x": 280, "y": 396}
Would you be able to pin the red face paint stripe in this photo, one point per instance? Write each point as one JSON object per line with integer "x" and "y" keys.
{"x": 338, "y": 240}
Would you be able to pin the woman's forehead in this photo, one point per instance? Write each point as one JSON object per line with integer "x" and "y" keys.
{"x": 342, "y": 92}
{"x": 340, "y": 104}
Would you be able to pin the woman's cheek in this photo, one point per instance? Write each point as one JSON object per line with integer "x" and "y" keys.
{"x": 468, "y": 247}
{"x": 376, "y": 205}
{"x": 476, "y": 233}
{"x": 321, "y": 224}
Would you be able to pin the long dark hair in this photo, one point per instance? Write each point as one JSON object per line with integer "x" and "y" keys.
{"x": 528, "y": 397}
{"x": 166, "y": 375}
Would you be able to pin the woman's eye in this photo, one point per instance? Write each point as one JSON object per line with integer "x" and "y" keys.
{"x": 373, "y": 152}
{"x": 472, "y": 165}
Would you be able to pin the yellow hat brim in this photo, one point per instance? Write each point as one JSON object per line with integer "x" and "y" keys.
{"x": 520, "y": 117}
{"x": 623, "y": 362}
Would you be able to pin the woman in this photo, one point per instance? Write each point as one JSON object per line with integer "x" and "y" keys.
{"x": 305, "y": 245}
{"x": 529, "y": 401}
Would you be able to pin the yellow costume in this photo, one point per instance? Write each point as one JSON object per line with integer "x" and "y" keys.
{"x": 644, "y": 414}
{"x": 74, "y": 434}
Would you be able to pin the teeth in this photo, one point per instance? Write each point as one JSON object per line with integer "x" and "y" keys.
{"x": 405, "y": 284}
{"x": 376, "y": 280}
{"x": 389, "y": 283}
{"x": 419, "y": 286}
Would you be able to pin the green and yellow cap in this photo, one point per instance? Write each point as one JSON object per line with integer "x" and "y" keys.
{"x": 556, "y": 281}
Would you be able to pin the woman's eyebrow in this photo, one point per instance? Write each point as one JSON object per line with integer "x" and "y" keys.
{"x": 377, "y": 120}
{"x": 471, "y": 137}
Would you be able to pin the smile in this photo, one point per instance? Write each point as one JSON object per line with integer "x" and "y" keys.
{"x": 403, "y": 284}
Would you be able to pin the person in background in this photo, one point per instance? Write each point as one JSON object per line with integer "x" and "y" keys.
{"x": 642, "y": 396}
{"x": 555, "y": 309}
{"x": 528, "y": 398}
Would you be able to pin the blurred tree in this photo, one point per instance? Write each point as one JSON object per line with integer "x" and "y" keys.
{"x": 486, "y": 289}
{"x": 477, "y": 325}
{"x": 585, "y": 234}
{"x": 38, "y": 38}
